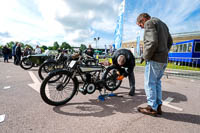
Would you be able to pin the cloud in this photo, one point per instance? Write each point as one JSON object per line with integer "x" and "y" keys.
{"x": 86, "y": 17}
{"x": 5, "y": 34}
{"x": 73, "y": 21}
{"x": 79, "y": 21}
{"x": 178, "y": 15}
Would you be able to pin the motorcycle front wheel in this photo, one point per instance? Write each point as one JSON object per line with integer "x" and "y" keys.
{"x": 61, "y": 91}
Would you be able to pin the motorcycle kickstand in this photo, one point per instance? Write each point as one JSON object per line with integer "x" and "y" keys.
{"x": 102, "y": 97}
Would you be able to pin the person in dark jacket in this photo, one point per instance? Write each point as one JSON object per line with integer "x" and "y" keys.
{"x": 18, "y": 53}
{"x": 14, "y": 53}
{"x": 5, "y": 52}
{"x": 90, "y": 51}
{"x": 27, "y": 51}
{"x": 157, "y": 43}
{"x": 125, "y": 58}
{"x": 10, "y": 53}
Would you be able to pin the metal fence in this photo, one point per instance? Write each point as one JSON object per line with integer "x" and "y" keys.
{"x": 181, "y": 67}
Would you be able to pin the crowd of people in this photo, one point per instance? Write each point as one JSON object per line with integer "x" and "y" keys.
{"x": 17, "y": 52}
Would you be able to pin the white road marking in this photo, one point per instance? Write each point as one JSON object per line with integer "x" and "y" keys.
{"x": 6, "y": 87}
{"x": 172, "y": 72}
{"x": 167, "y": 101}
{"x": 2, "y": 118}
{"x": 36, "y": 83}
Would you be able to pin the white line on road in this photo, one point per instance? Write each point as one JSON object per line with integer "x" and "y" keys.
{"x": 2, "y": 118}
{"x": 167, "y": 101}
{"x": 36, "y": 83}
{"x": 6, "y": 87}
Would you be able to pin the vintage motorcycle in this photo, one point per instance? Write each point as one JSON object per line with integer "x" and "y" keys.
{"x": 61, "y": 61}
{"x": 30, "y": 61}
{"x": 66, "y": 84}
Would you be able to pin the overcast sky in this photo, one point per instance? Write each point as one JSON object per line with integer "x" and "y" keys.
{"x": 79, "y": 21}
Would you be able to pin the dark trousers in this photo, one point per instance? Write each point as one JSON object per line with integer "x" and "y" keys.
{"x": 15, "y": 58}
{"x": 5, "y": 57}
{"x": 18, "y": 59}
{"x": 131, "y": 78}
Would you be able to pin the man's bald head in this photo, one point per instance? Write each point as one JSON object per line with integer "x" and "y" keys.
{"x": 121, "y": 60}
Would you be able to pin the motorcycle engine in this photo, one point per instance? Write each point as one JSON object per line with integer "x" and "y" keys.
{"x": 90, "y": 88}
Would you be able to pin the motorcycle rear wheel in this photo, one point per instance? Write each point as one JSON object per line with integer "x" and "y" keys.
{"x": 26, "y": 64}
{"x": 46, "y": 68}
{"x": 111, "y": 82}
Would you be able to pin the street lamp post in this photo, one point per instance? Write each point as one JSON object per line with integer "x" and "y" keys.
{"x": 96, "y": 39}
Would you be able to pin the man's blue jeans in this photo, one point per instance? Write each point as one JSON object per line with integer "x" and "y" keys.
{"x": 152, "y": 83}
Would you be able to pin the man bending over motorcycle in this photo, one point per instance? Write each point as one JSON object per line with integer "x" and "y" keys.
{"x": 125, "y": 61}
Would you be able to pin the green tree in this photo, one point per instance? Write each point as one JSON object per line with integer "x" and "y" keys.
{"x": 10, "y": 44}
{"x": 83, "y": 47}
{"x": 50, "y": 48}
{"x": 29, "y": 46}
{"x": 55, "y": 46}
{"x": 44, "y": 47}
{"x": 65, "y": 46}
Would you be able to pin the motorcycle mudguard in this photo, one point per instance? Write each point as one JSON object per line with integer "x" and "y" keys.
{"x": 50, "y": 60}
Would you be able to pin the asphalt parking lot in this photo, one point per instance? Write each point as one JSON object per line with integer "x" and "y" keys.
{"x": 25, "y": 111}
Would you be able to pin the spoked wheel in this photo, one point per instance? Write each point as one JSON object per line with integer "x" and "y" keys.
{"x": 45, "y": 68}
{"x": 26, "y": 64}
{"x": 110, "y": 78}
{"x": 48, "y": 67}
{"x": 61, "y": 91}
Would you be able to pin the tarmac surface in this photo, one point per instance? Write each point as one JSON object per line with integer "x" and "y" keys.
{"x": 25, "y": 111}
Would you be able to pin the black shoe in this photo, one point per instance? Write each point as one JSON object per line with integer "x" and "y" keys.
{"x": 159, "y": 110}
{"x": 131, "y": 93}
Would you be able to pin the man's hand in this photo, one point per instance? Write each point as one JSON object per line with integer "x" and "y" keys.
{"x": 118, "y": 73}
{"x": 125, "y": 74}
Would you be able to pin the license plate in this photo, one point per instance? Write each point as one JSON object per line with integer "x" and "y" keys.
{"x": 72, "y": 63}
